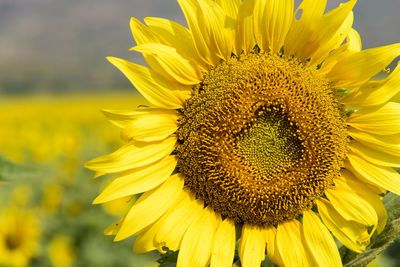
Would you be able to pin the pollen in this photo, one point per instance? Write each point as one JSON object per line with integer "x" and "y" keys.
{"x": 261, "y": 138}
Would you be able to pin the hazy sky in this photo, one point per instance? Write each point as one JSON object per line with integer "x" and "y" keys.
{"x": 56, "y": 43}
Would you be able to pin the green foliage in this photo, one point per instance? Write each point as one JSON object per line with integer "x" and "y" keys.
{"x": 11, "y": 171}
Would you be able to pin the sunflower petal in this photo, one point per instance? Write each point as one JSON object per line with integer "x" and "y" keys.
{"x": 375, "y": 93}
{"x": 385, "y": 120}
{"x": 384, "y": 177}
{"x": 272, "y": 249}
{"x": 113, "y": 228}
{"x": 374, "y": 156}
{"x": 173, "y": 64}
{"x": 373, "y": 198}
{"x": 132, "y": 155}
{"x": 138, "y": 180}
{"x": 177, "y": 36}
{"x": 151, "y": 127}
{"x": 319, "y": 241}
{"x": 176, "y": 221}
{"x": 352, "y": 45}
{"x": 145, "y": 240}
{"x": 150, "y": 206}
{"x": 223, "y": 250}
{"x": 386, "y": 143}
{"x": 252, "y": 245}
{"x": 152, "y": 86}
{"x": 197, "y": 243}
{"x": 331, "y": 32}
{"x": 357, "y": 68}
{"x": 245, "y": 40}
{"x": 121, "y": 117}
{"x": 214, "y": 28}
{"x": 351, "y": 206}
{"x": 301, "y": 29}
{"x": 272, "y": 21}
{"x": 351, "y": 234}
{"x": 290, "y": 244}
{"x": 230, "y": 7}
{"x": 195, "y": 20}
{"x": 143, "y": 34}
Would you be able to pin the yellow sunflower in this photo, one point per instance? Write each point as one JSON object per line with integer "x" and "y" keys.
{"x": 265, "y": 129}
{"x": 19, "y": 234}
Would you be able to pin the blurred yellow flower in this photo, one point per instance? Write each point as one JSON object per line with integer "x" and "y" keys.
{"x": 41, "y": 135}
{"x": 61, "y": 251}
{"x": 51, "y": 198}
{"x": 19, "y": 234}
{"x": 21, "y": 195}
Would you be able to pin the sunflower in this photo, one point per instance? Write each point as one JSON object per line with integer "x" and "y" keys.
{"x": 19, "y": 233}
{"x": 266, "y": 129}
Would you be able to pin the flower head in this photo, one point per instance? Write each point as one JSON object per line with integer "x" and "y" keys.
{"x": 262, "y": 119}
{"x": 19, "y": 233}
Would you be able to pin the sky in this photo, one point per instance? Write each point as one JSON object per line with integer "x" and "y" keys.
{"x": 62, "y": 44}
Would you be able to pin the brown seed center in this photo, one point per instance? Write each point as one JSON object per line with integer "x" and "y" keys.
{"x": 261, "y": 138}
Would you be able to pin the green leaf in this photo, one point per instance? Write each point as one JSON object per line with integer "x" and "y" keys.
{"x": 381, "y": 241}
{"x": 10, "y": 171}
{"x": 168, "y": 259}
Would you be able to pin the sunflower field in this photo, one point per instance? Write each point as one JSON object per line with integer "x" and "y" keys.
{"x": 254, "y": 133}
{"x": 46, "y": 214}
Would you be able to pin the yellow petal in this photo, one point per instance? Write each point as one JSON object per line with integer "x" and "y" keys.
{"x": 177, "y": 36}
{"x": 352, "y": 45}
{"x": 330, "y": 33}
{"x": 319, "y": 241}
{"x": 223, "y": 250}
{"x": 386, "y": 143}
{"x": 194, "y": 17}
{"x": 357, "y": 68}
{"x": 176, "y": 221}
{"x": 121, "y": 117}
{"x": 214, "y": 29}
{"x": 383, "y": 177}
{"x": 252, "y": 245}
{"x": 172, "y": 64}
{"x": 230, "y": 7}
{"x": 272, "y": 21}
{"x": 301, "y": 29}
{"x": 356, "y": 186}
{"x": 151, "y": 206}
{"x": 150, "y": 127}
{"x": 351, "y": 206}
{"x": 384, "y": 120}
{"x": 375, "y": 93}
{"x": 153, "y": 87}
{"x": 351, "y": 234}
{"x": 132, "y": 155}
{"x": 290, "y": 244}
{"x": 272, "y": 249}
{"x": 245, "y": 40}
{"x": 113, "y": 228}
{"x": 354, "y": 41}
{"x": 144, "y": 241}
{"x": 198, "y": 240}
{"x": 143, "y": 34}
{"x": 138, "y": 180}
{"x": 374, "y": 156}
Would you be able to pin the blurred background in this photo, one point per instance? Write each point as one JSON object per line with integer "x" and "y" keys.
{"x": 54, "y": 80}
